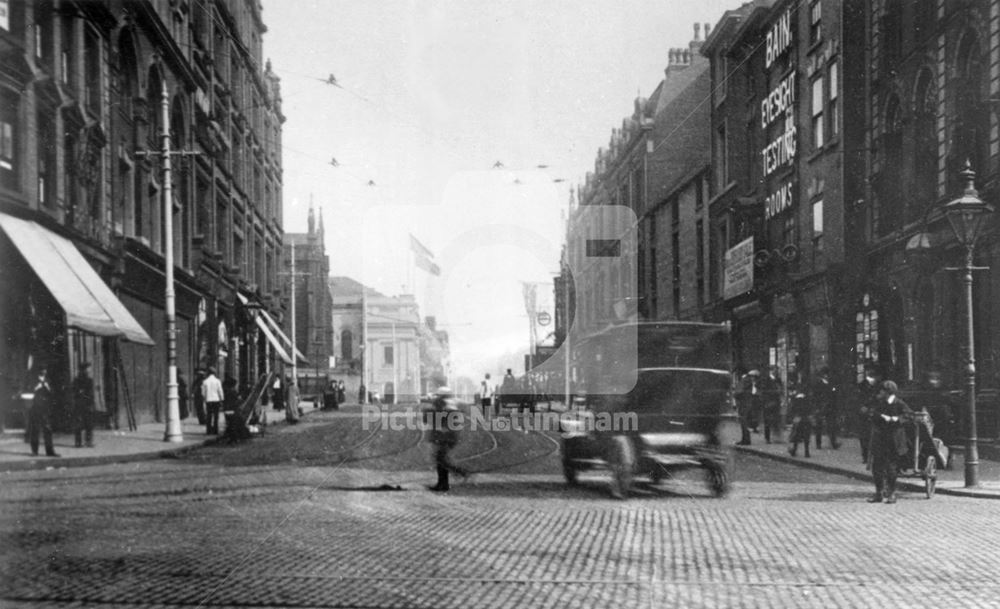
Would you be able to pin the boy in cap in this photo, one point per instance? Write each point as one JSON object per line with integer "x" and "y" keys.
{"x": 888, "y": 441}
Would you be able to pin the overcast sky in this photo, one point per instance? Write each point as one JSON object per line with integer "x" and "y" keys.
{"x": 430, "y": 95}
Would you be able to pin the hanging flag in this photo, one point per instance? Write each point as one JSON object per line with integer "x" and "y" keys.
{"x": 423, "y": 257}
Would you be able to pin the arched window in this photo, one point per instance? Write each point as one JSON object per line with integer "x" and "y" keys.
{"x": 925, "y": 158}
{"x": 970, "y": 135}
{"x": 346, "y": 345}
{"x": 889, "y": 185}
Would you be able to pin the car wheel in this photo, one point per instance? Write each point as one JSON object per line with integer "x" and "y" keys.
{"x": 718, "y": 478}
{"x": 622, "y": 466}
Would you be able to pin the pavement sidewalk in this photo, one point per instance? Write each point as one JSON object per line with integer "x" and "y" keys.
{"x": 847, "y": 461}
{"x": 114, "y": 446}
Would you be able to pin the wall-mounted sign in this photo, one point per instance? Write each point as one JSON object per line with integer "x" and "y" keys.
{"x": 778, "y": 102}
{"x": 738, "y": 275}
{"x": 781, "y": 150}
{"x": 779, "y": 38}
{"x": 778, "y": 201}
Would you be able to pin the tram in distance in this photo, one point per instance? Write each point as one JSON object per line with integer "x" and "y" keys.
{"x": 668, "y": 385}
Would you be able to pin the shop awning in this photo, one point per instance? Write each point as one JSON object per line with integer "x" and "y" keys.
{"x": 274, "y": 335}
{"x": 271, "y": 338}
{"x": 88, "y": 302}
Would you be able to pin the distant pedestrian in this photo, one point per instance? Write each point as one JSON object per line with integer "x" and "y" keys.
{"x": 199, "y": 397}
{"x": 888, "y": 441}
{"x": 362, "y": 394}
{"x": 341, "y": 393}
{"x": 771, "y": 389}
{"x": 39, "y": 417}
{"x": 868, "y": 390}
{"x": 182, "y": 395}
{"x": 827, "y": 408}
{"x": 486, "y": 395}
{"x": 211, "y": 391}
{"x": 748, "y": 402}
{"x": 278, "y": 393}
{"x": 83, "y": 406}
{"x": 444, "y": 421}
{"x": 802, "y": 410}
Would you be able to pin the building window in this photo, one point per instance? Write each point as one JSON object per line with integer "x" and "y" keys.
{"x": 817, "y": 112}
{"x": 817, "y": 227}
{"x": 721, "y": 77}
{"x": 66, "y": 56}
{"x": 699, "y": 234}
{"x": 926, "y": 156}
{"x": 833, "y": 77}
{"x": 815, "y": 21}
{"x": 651, "y": 306}
{"x": 9, "y": 121}
{"x": 346, "y": 346}
{"x": 675, "y": 253}
{"x": 721, "y": 158}
{"x": 387, "y": 354}
{"x": 46, "y": 157}
{"x": 92, "y": 83}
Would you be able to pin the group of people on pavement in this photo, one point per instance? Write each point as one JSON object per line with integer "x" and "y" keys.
{"x": 815, "y": 410}
{"x": 39, "y": 423}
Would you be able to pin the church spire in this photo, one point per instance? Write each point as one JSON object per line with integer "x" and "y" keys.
{"x": 312, "y": 216}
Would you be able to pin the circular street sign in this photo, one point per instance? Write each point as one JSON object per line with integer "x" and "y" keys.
{"x": 544, "y": 318}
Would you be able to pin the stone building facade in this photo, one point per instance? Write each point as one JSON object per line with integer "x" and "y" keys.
{"x": 83, "y": 87}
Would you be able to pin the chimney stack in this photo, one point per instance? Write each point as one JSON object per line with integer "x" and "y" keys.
{"x": 697, "y": 32}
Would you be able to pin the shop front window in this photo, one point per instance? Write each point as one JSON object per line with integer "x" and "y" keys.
{"x": 866, "y": 335}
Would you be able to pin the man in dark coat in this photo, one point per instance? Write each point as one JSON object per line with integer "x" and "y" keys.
{"x": 39, "y": 416}
{"x": 888, "y": 441}
{"x": 444, "y": 421}
{"x": 803, "y": 411}
{"x": 771, "y": 389}
{"x": 868, "y": 390}
{"x": 198, "y": 397}
{"x": 827, "y": 408}
{"x": 83, "y": 406}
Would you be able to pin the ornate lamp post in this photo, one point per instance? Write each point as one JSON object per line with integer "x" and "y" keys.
{"x": 967, "y": 216}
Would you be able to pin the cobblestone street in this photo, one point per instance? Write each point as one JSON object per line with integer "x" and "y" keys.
{"x": 195, "y": 532}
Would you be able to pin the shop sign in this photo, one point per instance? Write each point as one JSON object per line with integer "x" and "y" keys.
{"x": 778, "y": 201}
{"x": 779, "y": 38}
{"x": 738, "y": 277}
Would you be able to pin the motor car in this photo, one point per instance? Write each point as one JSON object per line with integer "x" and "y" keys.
{"x": 669, "y": 407}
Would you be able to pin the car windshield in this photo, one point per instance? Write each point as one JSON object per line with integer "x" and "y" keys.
{"x": 679, "y": 391}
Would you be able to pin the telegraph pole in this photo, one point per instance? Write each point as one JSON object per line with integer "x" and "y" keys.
{"x": 173, "y": 431}
{"x": 292, "y": 410}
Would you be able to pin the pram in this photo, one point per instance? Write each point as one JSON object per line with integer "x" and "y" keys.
{"x": 925, "y": 452}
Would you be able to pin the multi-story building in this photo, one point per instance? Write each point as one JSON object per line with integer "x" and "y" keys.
{"x": 87, "y": 91}
{"x": 781, "y": 161}
{"x": 382, "y": 344}
{"x": 313, "y": 306}
{"x": 930, "y": 107}
{"x": 656, "y": 166}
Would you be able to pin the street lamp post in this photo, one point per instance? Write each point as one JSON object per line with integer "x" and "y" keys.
{"x": 967, "y": 215}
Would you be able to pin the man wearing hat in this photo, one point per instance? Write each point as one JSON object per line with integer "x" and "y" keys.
{"x": 444, "y": 420}
{"x": 39, "y": 417}
{"x": 888, "y": 441}
{"x": 83, "y": 406}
